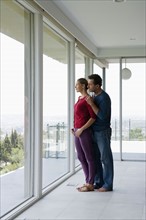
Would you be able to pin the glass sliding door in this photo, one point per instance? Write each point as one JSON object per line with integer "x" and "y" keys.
{"x": 55, "y": 106}
{"x": 15, "y": 44}
{"x": 112, "y": 88}
{"x": 79, "y": 73}
{"x": 134, "y": 110}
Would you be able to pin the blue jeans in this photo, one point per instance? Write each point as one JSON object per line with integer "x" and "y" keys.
{"x": 104, "y": 159}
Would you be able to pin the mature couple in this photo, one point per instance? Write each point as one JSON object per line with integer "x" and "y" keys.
{"x": 92, "y": 134}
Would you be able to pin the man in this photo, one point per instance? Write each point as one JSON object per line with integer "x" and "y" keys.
{"x": 101, "y": 105}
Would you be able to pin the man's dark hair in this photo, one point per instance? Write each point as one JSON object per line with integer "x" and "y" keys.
{"x": 96, "y": 79}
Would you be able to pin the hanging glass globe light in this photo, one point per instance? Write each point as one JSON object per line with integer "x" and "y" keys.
{"x": 126, "y": 73}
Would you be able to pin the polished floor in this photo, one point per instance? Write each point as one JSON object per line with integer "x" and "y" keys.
{"x": 126, "y": 202}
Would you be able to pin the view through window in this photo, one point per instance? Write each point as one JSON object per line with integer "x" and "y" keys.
{"x": 12, "y": 131}
{"x": 55, "y": 105}
{"x": 134, "y": 111}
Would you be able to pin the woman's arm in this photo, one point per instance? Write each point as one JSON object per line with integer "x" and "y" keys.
{"x": 85, "y": 126}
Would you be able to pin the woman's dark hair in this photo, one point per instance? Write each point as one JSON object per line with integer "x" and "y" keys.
{"x": 83, "y": 81}
{"x": 96, "y": 79}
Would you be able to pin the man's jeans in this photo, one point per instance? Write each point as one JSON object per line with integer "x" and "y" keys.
{"x": 104, "y": 159}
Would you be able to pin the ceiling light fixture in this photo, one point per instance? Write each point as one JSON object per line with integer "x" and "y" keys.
{"x": 132, "y": 38}
{"x": 126, "y": 73}
{"x": 118, "y": 1}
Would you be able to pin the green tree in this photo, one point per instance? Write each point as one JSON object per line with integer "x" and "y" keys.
{"x": 6, "y": 150}
{"x": 12, "y": 151}
{"x": 136, "y": 134}
{"x": 14, "y": 138}
{"x": 17, "y": 156}
{"x": 7, "y": 144}
{"x": 0, "y": 151}
{"x": 20, "y": 141}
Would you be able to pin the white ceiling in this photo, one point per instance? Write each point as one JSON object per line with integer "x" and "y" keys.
{"x": 110, "y": 25}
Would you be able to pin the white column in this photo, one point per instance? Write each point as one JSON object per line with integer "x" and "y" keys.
{"x": 38, "y": 103}
{"x": 27, "y": 109}
{"x": 120, "y": 108}
{"x": 88, "y": 66}
{"x": 71, "y": 101}
{"x": 104, "y": 78}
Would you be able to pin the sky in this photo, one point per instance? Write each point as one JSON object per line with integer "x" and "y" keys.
{"x": 12, "y": 76}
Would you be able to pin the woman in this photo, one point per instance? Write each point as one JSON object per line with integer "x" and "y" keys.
{"x": 84, "y": 117}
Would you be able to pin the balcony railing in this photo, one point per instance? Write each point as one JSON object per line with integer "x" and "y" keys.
{"x": 55, "y": 141}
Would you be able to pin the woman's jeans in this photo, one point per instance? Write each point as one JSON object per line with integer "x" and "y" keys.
{"x": 85, "y": 154}
{"x": 104, "y": 159}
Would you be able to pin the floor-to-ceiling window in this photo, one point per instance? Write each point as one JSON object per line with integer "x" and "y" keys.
{"x": 14, "y": 98}
{"x": 55, "y": 106}
{"x": 79, "y": 73}
{"x": 112, "y": 88}
{"x": 134, "y": 109}
{"x": 133, "y": 116}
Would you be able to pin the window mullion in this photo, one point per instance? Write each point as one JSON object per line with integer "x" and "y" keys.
{"x": 38, "y": 103}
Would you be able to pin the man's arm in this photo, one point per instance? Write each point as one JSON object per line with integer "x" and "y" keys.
{"x": 92, "y": 104}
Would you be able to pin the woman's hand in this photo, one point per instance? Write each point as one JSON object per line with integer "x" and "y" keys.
{"x": 78, "y": 132}
{"x": 72, "y": 131}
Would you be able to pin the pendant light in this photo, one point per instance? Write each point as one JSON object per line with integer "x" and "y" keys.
{"x": 126, "y": 73}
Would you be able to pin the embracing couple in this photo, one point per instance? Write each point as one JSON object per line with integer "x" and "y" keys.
{"x": 92, "y": 134}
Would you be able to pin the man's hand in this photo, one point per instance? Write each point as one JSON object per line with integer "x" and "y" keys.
{"x": 89, "y": 100}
